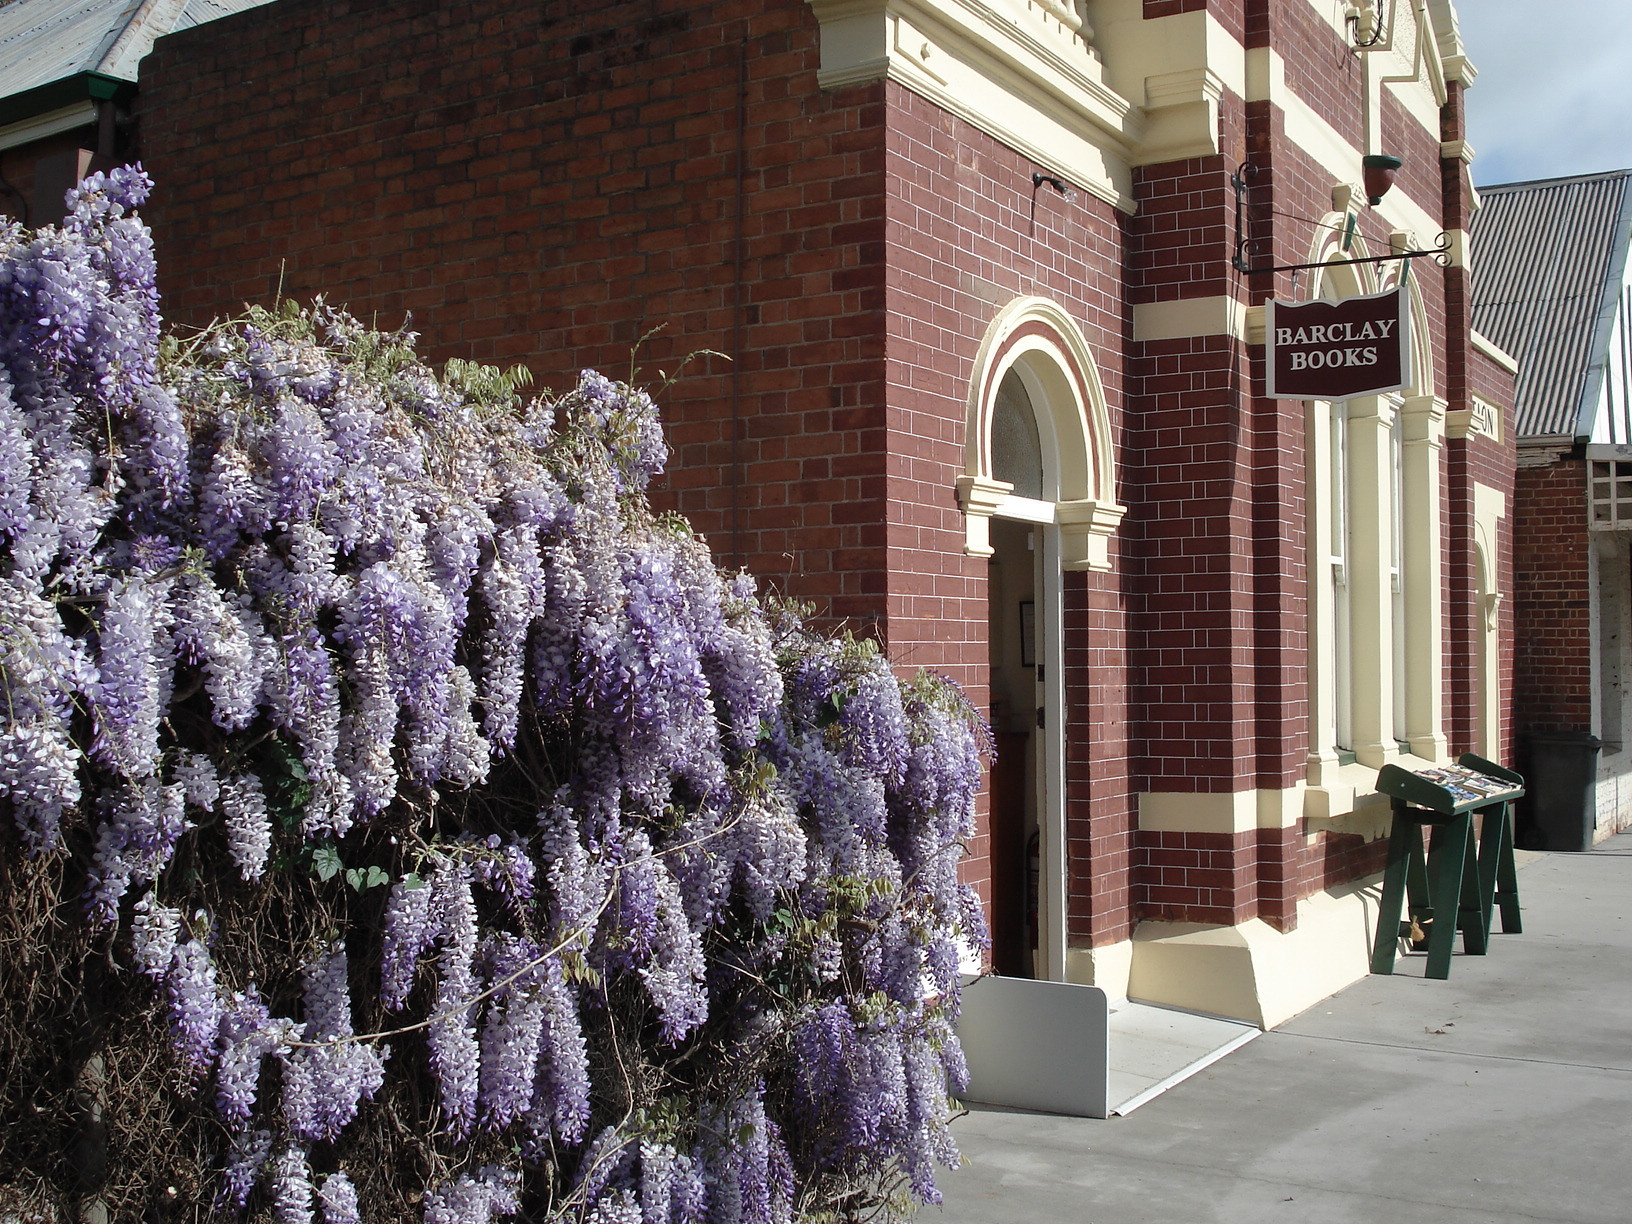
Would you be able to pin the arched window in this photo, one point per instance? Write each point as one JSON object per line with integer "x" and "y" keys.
{"x": 1038, "y": 432}
{"x": 1017, "y": 451}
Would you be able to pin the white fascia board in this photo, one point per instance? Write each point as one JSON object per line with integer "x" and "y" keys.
{"x": 1043, "y": 96}
{"x": 1484, "y": 345}
{"x": 52, "y": 123}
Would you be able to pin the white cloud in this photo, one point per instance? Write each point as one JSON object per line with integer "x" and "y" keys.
{"x": 1554, "y": 90}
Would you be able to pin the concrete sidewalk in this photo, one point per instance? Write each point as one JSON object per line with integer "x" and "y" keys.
{"x": 1503, "y": 1094}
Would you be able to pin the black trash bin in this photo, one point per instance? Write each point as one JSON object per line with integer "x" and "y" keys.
{"x": 1561, "y": 799}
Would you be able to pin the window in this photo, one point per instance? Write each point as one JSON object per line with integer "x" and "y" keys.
{"x": 1374, "y": 526}
{"x": 1337, "y": 545}
{"x": 1017, "y": 451}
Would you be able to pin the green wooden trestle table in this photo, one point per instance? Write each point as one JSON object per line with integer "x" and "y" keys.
{"x": 1463, "y": 879}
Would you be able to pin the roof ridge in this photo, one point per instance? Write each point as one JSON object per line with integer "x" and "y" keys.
{"x": 1557, "y": 179}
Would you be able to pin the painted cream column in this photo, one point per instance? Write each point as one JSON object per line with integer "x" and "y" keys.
{"x": 1422, "y": 417}
{"x": 1489, "y": 509}
{"x": 1371, "y": 613}
{"x": 1322, "y": 664}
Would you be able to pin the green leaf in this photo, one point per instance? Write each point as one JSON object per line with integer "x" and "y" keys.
{"x": 326, "y": 861}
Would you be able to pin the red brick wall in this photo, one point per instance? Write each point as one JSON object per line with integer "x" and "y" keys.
{"x": 545, "y": 185}
{"x": 1322, "y": 68}
{"x": 34, "y": 177}
{"x": 585, "y": 185}
{"x": 1552, "y": 689}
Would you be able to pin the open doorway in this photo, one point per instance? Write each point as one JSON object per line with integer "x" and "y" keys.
{"x": 1016, "y": 705}
{"x": 1038, "y": 499}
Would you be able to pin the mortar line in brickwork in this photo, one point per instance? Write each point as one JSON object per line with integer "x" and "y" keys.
{"x": 737, "y": 240}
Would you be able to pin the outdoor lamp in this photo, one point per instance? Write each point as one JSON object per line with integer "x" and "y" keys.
{"x": 1378, "y": 175}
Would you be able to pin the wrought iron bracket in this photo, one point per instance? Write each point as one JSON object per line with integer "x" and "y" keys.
{"x": 1241, "y": 180}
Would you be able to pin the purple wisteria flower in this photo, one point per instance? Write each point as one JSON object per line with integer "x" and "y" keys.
{"x": 328, "y": 1075}
{"x": 195, "y": 1005}
{"x": 488, "y": 1195}
{"x": 282, "y": 610}
{"x": 338, "y": 1196}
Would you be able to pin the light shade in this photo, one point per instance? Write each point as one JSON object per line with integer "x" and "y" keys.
{"x": 1378, "y": 175}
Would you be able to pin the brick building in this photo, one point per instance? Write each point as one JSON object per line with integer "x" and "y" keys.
{"x": 995, "y": 382}
{"x": 67, "y": 77}
{"x": 1555, "y": 290}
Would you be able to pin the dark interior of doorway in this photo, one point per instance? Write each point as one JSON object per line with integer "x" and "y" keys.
{"x": 1011, "y": 592}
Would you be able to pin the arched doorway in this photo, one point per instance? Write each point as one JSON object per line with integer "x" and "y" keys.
{"x": 1038, "y": 494}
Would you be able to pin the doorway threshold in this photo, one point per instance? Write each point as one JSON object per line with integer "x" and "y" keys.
{"x": 1150, "y": 1048}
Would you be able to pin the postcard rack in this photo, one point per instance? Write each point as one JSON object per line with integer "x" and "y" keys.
{"x": 1467, "y": 873}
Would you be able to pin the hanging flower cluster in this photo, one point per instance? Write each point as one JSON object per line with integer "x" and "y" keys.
{"x": 420, "y": 767}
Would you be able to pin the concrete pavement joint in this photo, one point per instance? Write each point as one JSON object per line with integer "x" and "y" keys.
{"x": 1513, "y": 1058}
{"x": 1482, "y": 1214}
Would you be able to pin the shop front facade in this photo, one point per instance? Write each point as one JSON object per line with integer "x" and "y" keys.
{"x": 974, "y": 299}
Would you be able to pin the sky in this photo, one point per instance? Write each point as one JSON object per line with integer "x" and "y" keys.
{"x": 1554, "y": 92}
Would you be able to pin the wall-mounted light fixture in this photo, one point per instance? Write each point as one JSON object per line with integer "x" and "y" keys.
{"x": 1377, "y": 173}
{"x": 1038, "y": 178}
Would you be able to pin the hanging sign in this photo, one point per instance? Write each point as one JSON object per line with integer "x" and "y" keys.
{"x": 1337, "y": 350}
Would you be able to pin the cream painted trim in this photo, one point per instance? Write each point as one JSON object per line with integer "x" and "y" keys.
{"x": 1486, "y": 347}
{"x": 1448, "y": 37}
{"x": 1184, "y": 812}
{"x": 53, "y": 123}
{"x": 1086, "y": 528}
{"x": 1370, "y": 424}
{"x": 1457, "y": 247}
{"x": 1422, "y": 425}
{"x": 1344, "y": 799}
{"x": 1253, "y": 972}
{"x": 1221, "y": 315}
{"x": 1459, "y": 150}
{"x": 1481, "y": 419}
{"x": 1255, "y": 324}
{"x": 1107, "y": 967}
{"x": 1137, "y": 50}
{"x": 1489, "y": 509}
{"x": 980, "y": 499}
{"x": 1372, "y": 643}
{"x": 1181, "y": 112}
{"x": 1419, "y": 79}
{"x": 1023, "y": 78}
{"x": 1229, "y": 812}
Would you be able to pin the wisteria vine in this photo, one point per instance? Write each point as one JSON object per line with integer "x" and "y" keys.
{"x": 478, "y": 846}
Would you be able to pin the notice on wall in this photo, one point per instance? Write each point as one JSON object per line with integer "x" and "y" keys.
{"x": 1337, "y": 350}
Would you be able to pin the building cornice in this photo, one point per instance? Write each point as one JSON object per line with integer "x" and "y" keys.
{"x": 1015, "y": 70}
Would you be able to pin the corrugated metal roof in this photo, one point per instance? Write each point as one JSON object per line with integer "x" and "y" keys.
{"x": 42, "y": 41}
{"x": 1548, "y": 258}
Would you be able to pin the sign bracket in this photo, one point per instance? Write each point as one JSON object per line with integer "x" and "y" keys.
{"x": 1440, "y": 252}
